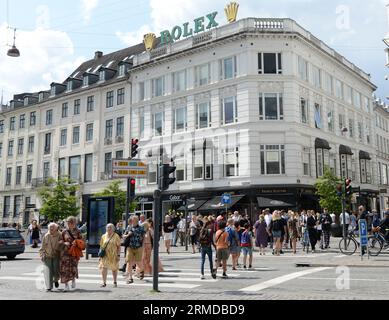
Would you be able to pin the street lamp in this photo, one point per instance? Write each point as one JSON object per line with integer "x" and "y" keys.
{"x": 14, "y": 52}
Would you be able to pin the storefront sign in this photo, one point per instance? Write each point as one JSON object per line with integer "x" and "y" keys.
{"x": 274, "y": 191}
{"x": 175, "y": 198}
{"x": 199, "y": 25}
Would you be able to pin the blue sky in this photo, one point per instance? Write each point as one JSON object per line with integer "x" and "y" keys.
{"x": 56, "y": 36}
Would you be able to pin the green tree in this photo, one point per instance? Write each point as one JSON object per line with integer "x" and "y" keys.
{"x": 326, "y": 190}
{"x": 59, "y": 199}
{"x": 114, "y": 190}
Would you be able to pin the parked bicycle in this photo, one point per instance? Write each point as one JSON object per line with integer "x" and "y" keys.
{"x": 377, "y": 242}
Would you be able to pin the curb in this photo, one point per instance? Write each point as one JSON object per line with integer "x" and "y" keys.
{"x": 352, "y": 265}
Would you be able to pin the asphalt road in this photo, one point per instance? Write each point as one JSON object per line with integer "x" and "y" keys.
{"x": 272, "y": 278}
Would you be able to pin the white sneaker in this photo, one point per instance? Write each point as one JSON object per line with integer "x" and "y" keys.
{"x": 202, "y": 277}
{"x": 74, "y": 284}
{"x": 67, "y": 289}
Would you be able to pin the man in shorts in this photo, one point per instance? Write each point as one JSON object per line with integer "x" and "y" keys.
{"x": 222, "y": 251}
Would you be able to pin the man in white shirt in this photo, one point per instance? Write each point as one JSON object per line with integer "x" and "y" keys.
{"x": 181, "y": 230}
{"x": 237, "y": 217}
{"x": 347, "y": 220}
{"x": 268, "y": 216}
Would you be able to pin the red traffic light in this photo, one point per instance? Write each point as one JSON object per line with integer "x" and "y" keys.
{"x": 133, "y": 182}
{"x": 135, "y": 141}
{"x": 348, "y": 182}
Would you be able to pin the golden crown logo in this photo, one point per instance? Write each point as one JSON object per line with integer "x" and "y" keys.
{"x": 231, "y": 11}
{"x": 149, "y": 41}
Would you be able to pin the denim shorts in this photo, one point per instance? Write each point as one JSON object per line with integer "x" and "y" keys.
{"x": 277, "y": 234}
{"x": 247, "y": 251}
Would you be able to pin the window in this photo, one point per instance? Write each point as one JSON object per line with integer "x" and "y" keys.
{"x": 304, "y": 107}
{"x": 7, "y": 206}
{"x": 269, "y": 63}
{"x": 158, "y": 124}
{"x": 180, "y": 119}
{"x": 1, "y": 149}
{"x": 17, "y": 205}
{"x": 141, "y": 91}
{"x": 158, "y": 87}
{"x": 89, "y": 132}
{"x": 342, "y": 122}
{"x": 322, "y": 161}
{"x": 228, "y": 68}
{"x": 75, "y": 168}
{"x": 346, "y": 163}
{"x": 306, "y": 161}
{"x": 76, "y": 135}
{"x": 120, "y": 127}
{"x": 120, "y": 96}
{"x": 229, "y": 110}
{"x": 85, "y": 81}
{"x": 384, "y": 174}
{"x": 179, "y": 81}
{"x": 348, "y": 94}
{"x": 152, "y": 171}
{"x": 180, "y": 164}
{"x": 360, "y": 132}
{"x": 1, "y": 126}
{"x": 65, "y": 110}
{"x": 203, "y": 162}
{"x": 203, "y": 115}
{"x": 272, "y": 159}
{"x": 8, "y": 178}
{"x": 49, "y": 117}
{"x": 141, "y": 124}
{"x": 47, "y": 143}
{"x": 31, "y": 143}
{"x": 357, "y": 99}
{"x": 303, "y": 69}
{"x": 365, "y": 166}
{"x": 351, "y": 127}
{"x": 122, "y": 70}
{"x": 20, "y": 146}
{"x": 366, "y": 104}
{"x": 102, "y": 75}
{"x": 271, "y": 106}
{"x": 32, "y": 119}
{"x": 90, "y": 106}
{"x": 108, "y": 129}
{"x": 108, "y": 163}
{"x": 119, "y": 154}
{"x": 62, "y": 168}
{"x": 64, "y": 137}
{"x": 318, "y": 117}
{"x": 328, "y": 83}
{"x": 29, "y": 174}
{"x": 110, "y": 97}
{"x": 10, "y": 148}
{"x": 18, "y": 175}
{"x": 203, "y": 75}
{"x": 77, "y": 106}
{"x": 69, "y": 86}
{"x": 339, "y": 89}
{"x": 22, "y": 121}
{"x": 231, "y": 161}
{"x": 316, "y": 73}
{"x": 12, "y": 123}
{"x": 330, "y": 117}
{"x": 88, "y": 173}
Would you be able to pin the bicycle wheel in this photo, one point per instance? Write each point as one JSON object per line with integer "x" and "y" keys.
{"x": 375, "y": 246}
{"x": 348, "y": 246}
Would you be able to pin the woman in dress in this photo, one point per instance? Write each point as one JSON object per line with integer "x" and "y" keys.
{"x": 147, "y": 248}
{"x": 69, "y": 263}
{"x": 110, "y": 242}
{"x": 261, "y": 234}
{"x": 293, "y": 227}
{"x": 168, "y": 228}
{"x": 35, "y": 234}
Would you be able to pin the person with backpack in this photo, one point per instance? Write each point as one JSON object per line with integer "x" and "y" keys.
{"x": 222, "y": 251}
{"x": 206, "y": 243}
{"x": 233, "y": 239}
{"x": 247, "y": 246}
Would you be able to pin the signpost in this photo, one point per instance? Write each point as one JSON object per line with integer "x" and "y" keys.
{"x": 363, "y": 237}
{"x": 226, "y": 200}
{"x": 124, "y": 169}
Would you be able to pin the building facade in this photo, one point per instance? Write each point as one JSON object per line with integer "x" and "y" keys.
{"x": 258, "y": 108}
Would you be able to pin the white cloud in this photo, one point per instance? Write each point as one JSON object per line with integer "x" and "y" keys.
{"x": 87, "y": 7}
{"x": 46, "y": 56}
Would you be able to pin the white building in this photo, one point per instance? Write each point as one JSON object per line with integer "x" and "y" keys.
{"x": 257, "y": 108}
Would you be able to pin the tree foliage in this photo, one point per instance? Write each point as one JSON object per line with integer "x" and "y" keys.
{"x": 326, "y": 190}
{"x": 59, "y": 199}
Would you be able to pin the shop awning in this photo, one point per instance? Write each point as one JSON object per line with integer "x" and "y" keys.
{"x": 345, "y": 150}
{"x": 322, "y": 144}
{"x": 276, "y": 202}
{"x": 364, "y": 155}
{"x": 215, "y": 203}
{"x": 193, "y": 205}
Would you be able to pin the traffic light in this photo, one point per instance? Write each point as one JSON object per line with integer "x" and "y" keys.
{"x": 132, "y": 188}
{"x": 348, "y": 188}
{"x": 134, "y": 148}
{"x": 339, "y": 190}
{"x": 165, "y": 181}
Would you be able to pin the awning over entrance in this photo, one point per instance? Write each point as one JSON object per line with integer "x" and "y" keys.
{"x": 276, "y": 202}
{"x": 322, "y": 144}
{"x": 193, "y": 205}
{"x": 363, "y": 155}
{"x": 345, "y": 150}
{"x": 215, "y": 203}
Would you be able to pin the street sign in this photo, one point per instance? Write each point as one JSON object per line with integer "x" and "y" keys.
{"x": 363, "y": 232}
{"x": 129, "y": 169}
{"x": 226, "y": 199}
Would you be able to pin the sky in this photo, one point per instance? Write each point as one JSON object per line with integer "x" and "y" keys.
{"x": 55, "y": 37}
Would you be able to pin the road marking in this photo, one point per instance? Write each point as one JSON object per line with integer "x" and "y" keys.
{"x": 282, "y": 279}
{"x": 120, "y": 283}
{"x": 341, "y": 256}
{"x": 372, "y": 280}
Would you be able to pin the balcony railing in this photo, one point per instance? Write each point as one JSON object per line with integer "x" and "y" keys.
{"x": 40, "y": 182}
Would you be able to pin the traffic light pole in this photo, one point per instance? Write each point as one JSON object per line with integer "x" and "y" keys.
{"x": 344, "y": 222}
{"x": 157, "y": 236}
{"x": 128, "y": 200}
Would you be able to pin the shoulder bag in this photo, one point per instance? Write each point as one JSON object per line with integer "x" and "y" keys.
{"x": 102, "y": 251}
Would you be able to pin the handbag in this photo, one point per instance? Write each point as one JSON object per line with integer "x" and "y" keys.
{"x": 102, "y": 251}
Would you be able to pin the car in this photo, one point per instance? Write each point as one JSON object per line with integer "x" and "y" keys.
{"x": 11, "y": 243}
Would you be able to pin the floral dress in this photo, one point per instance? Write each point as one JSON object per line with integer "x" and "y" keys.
{"x": 69, "y": 264}
{"x": 110, "y": 260}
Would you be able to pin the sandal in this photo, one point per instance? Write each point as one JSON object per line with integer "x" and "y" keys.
{"x": 129, "y": 281}
{"x": 142, "y": 276}
{"x": 103, "y": 285}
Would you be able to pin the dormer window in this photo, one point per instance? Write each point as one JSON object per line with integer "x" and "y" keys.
{"x": 26, "y": 101}
{"x": 40, "y": 97}
{"x": 52, "y": 91}
{"x": 102, "y": 75}
{"x": 69, "y": 86}
{"x": 85, "y": 81}
{"x": 122, "y": 70}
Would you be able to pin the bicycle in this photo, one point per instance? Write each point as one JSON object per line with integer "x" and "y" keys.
{"x": 349, "y": 245}
{"x": 377, "y": 242}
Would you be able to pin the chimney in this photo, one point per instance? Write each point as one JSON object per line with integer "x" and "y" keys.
{"x": 98, "y": 55}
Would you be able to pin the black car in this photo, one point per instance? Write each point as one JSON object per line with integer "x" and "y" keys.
{"x": 11, "y": 243}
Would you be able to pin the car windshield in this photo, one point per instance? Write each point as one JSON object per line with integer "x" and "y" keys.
{"x": 9, "y": 234}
